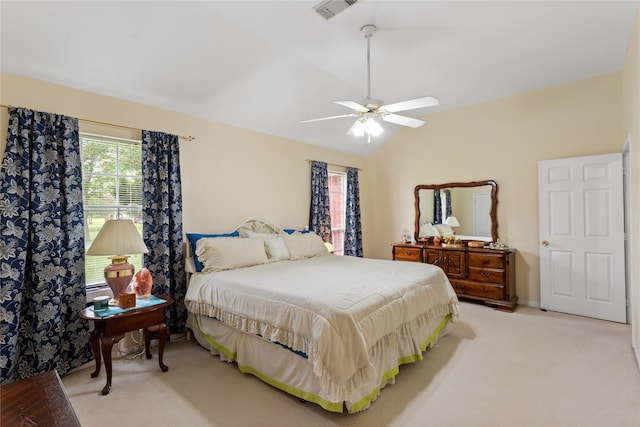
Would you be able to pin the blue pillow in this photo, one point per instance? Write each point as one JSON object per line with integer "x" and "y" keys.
{"x": 193, "y": 239}
{"x": 291, "y": 231}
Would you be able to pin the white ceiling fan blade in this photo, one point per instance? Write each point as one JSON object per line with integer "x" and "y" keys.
{"x": 329, "y": 118}
{"x": 353, "y": 105}
{"x": 352, "y": 129}
{"x": 425, "y": 101}
{"x": 402, "y": 120}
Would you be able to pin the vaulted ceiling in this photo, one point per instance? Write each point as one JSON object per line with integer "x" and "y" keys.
{"x": 267, "y": 65}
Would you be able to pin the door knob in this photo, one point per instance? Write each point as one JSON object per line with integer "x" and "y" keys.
{"x": 545, "y": 243}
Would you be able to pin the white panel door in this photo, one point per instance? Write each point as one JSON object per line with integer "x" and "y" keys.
{"x": 581, "y": 212}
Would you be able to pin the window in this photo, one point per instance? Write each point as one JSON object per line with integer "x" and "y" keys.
{"x": 111, "y": 188}
{"x": 337, "y": 202}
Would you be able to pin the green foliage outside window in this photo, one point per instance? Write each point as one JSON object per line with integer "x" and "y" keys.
{"x": 112, "y": 188}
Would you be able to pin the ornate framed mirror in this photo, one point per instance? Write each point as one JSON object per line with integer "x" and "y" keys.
{"x": 473, "y": 206}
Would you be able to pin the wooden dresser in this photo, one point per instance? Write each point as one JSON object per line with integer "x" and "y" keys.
{"x": 487, "y": 275}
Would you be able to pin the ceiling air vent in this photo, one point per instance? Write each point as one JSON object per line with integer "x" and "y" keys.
{"x": 329, "y": 8}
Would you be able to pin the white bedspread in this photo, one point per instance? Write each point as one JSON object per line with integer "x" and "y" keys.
{"x": 337, "y": 310}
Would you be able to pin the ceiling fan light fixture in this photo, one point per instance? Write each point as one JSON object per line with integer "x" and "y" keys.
{"x": 366, "y": 125}
{"x": 372, "y": 127}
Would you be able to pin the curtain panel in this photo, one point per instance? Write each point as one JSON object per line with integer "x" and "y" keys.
{"x": 353, "y": 227}
{"x": 320, "y": 212}
{"x": 41, "y": 247}
{"x": 162, "y": 222}
{"x": 437, "y": 208}
{"x": 447, "y": 207}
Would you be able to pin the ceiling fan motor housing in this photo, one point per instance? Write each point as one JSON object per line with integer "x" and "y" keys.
{"x": 372, "y": 104}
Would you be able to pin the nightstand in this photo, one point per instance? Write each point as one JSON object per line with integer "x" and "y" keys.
{"x": 110, "y": 328}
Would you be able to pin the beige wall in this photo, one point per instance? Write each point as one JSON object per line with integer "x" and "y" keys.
{"x": 501, "y": 140}
{"x": 631, "y": 127}
{"x": 229, "y": 174}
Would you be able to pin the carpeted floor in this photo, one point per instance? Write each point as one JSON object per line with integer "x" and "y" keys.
{"x": 527, "y": 368}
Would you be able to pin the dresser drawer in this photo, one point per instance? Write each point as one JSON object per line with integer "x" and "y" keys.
{"x": 478, "y": 289}
{"x": 407, "y": 254}
{"x": 486, "y": 260}
{"x": 486, "y": 275}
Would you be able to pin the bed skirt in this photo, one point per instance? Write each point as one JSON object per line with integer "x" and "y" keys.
{"x": 292, "y": 373}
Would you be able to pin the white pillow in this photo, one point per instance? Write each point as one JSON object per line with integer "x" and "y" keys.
{"x": 277, "y": 249}
{"x": 226, "y": 253}
{"x": 444, "y": 230}
{"x": 428, "y": 230}
{"x": 274, "y": 244}
{"x": 305, "y": 245}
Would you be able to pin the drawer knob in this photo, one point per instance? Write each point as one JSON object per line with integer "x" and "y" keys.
{"x": 484, "y": 274}
{"x": 485, "y": 260}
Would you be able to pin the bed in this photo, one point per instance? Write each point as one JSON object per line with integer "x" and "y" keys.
{"x": 327, "y": 329}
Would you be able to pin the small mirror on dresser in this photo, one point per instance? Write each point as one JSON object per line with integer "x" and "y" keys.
{"x": 468, "y": 208}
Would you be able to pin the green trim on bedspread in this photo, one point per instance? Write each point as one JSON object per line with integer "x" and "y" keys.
{"x": 358, "y": 406}
{"x": 301, "y": 394}
{"x": 327, "y": 405}
{"x": 213, "y": 343}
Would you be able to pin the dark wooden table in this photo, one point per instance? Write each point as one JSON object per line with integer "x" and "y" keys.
{"x": 37, "y": 401}
{"x": 109, "y": 330}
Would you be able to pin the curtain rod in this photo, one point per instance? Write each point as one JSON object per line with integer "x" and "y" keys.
{"x": 95, "y": 122}
{"x": 334, "y": 164}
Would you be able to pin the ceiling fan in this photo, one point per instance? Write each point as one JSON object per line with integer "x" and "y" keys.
{"x": 372, "y": 109}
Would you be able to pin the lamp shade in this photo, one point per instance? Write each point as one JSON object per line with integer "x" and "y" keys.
{"x": 452, "y": 221}
{"x": 118, "y": 237}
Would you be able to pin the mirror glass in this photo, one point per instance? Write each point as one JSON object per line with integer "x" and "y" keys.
{"x": 473, "y": 206}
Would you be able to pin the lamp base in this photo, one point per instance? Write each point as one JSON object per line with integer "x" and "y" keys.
{"x": 118, "y": 275}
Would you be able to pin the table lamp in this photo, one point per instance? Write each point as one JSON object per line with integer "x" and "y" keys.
{"x": 452, "y": 222}
{"x": 116, "y": 238}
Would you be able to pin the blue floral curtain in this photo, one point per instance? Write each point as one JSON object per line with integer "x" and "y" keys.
{"x": 320, "y": 214}
{"x": 437, "y": 205}
{"x": 162, "y": 222}
{"x": 42, "y": 247}
{"x": 437, "y": 208}
{"x": 447, "y": 206}
{"x": 353, "y": 228}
